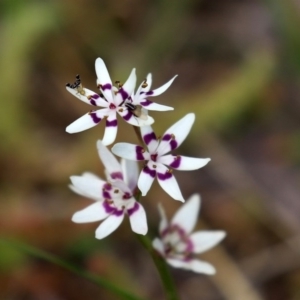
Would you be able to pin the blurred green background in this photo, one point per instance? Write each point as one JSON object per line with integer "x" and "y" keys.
{"x": 239, "y": 68}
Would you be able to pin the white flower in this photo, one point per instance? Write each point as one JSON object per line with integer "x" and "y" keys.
{"x": 115, "y": 100}
{"x": 178, "y": 245}
{"x": 157, "y": 159}
{"x": 113, "y": 198}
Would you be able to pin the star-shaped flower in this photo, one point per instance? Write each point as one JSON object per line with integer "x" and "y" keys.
{"x": 178, "y": 245}
{"x": 159, "y": 163}
{"x": 113, "y": 198}
{"x": 120, "y": 99}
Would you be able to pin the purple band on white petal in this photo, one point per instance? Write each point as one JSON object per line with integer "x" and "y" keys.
{"x": 95, "y": 96}
{"x": 93, "y": 102}
{"x": 164, "y": 176}
{"x": 105, "y": 191}
{"x": 139, "y": 150}
{"x": 149, "y": 137}
{"x": 173, "y": 143}
{"x": 106, "y": 86}
{"x": 111, "y": 209}
{"x": 116, "y": 175}
{"x": 127, "y": 116}
{"x": 176, "y": 163}
{"x": 123, "y": 93}
{"x": 146, "y": 102}
{"x": 149, "y": 93}
{"x": 148, "y": 171}
{"x": 106, "y": 194}
{"x": 112, "y": 123}
{"x": 132, "y": 210}
{"x": 95, "y": 118}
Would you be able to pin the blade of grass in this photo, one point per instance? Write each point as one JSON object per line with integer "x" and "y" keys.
{"x": 33, "y": 251}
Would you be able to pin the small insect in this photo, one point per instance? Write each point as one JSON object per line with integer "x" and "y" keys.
{"x": 136, "y": 110}
{"x": 77, "y": 85}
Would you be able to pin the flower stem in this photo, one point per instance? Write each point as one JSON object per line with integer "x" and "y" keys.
{"x": 138, "y": 134}
{"x": 162, "y": 268}
{"x": 122, "y": 294}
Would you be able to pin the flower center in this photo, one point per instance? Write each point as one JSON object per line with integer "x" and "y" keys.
{"x": 153, "y": 157}
{"x": 112, "y": 106}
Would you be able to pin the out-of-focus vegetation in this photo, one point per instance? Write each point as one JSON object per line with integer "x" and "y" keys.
{"x": 239, "y": 68}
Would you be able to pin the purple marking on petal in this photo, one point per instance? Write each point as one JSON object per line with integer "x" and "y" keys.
{"x": 171, "y": 138}
{"x": 106, "y": 86}
{"x": 146, "y": 102}
{"x": 149, "y": 137}
{"x": 106, "y": 194}
{"x": 189, "y": 245}
{"x": 107, "y": 186}
{"x": 95, "y": 96}
{"x": 95, "y": 118}
{"x": 139, "y": 153}
{"x": 149, "y": 93}
{"x": 93, "y": 102}
{"x": 132, "y": 210}
{"x": 112, "y": 123}
{"x": 176, "y": 163}
{"x": 164, "y": 176}
{"x": 173, "y": 144}
{"x": 108, "y": 207}
{"x": 127, "y": 116}
{"x": 123, "y": 93}
{"x": 148, "y": 171}
{"x": 167, "y": 137}
{"x": 116, "y": 175}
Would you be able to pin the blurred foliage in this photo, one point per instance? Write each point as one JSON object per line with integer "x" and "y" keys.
{"x": 238, "y": 64}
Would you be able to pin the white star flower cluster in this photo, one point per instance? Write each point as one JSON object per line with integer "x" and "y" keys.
{"x": 120, "y": 193}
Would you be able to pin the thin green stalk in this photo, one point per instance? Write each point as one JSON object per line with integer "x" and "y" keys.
{"x": 66, "y": 265}
{"x": 162, "y": 268}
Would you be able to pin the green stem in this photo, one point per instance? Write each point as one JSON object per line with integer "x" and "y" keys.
{"x": 57, "y": 261}
{"x": 162, "y": 268}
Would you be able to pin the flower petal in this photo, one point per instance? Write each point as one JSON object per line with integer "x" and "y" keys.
{"x": 111, "y": 129}
{"x": 109, "y": 161}
{"x": 143, "y": 88}
{"x": 130, "y": 118}
{"x": 104, "y": 79}
{"x": 158, "y": 245}
{"x": 186, "y": 216}
{"x": 88, "y": 186}
{"x": 154, "y": 106}
{"x": 87, "y": 121}
{"x": 138, "y": 219}
{"x": 168, "y": 182}
{"x": 183, "y": 163}
{"x": 130, "y": 151}
{"x": 206, "y": 239}
{"x": 92, "y": 213}
{"x": 193, "y": 265}
{"x": 130, "y": 172}
{"x": 88, "y": 97}
{"x": 176, "y": 134}
{"x": 149, "y": 138}
{"x": 146, "y": 179}
{"x": 163, "y": 219}
{"x": 109, "y": 225}
{"x": 127, "y": 89}
{"x": 161, "y": 89}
